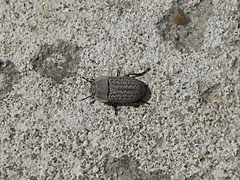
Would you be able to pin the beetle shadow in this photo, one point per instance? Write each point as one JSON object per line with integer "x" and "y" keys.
{"x": 137, "y": 104}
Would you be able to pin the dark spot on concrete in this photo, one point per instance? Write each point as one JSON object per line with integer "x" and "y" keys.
{"x": 8, "y": 77}
{"x": 185, "y": 38}
{"x": 57, "y": 61}
{"x": 126, "y": 168}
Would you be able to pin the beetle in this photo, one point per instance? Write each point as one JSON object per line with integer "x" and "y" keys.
{"x": 118, "y": 90}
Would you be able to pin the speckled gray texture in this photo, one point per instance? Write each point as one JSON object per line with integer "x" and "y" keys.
{"x": 190, "y": 130}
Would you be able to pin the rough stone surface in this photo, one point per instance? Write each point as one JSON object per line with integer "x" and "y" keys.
{"x": 190, "y": 130}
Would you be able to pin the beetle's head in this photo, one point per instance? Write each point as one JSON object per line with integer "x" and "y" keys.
{"x": 92, "y": 88}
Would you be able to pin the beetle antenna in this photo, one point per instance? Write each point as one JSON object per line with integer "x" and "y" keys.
{"x": 90, "y": 81}
{"x": 86, "y": 98}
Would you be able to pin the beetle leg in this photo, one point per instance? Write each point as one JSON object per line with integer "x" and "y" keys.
{"x": 116, "y": 111}
{"x": 118, "y": 72}
{"x": 93, "y": 101}
{"x": 138, "y": 74}
{"x": 115, "y": 108}
{"x": 144, "y": 102}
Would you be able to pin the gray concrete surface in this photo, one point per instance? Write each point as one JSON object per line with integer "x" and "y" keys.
{"x": 190, "y": 130}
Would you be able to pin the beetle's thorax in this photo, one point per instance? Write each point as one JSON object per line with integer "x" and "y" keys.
{"x": 100, "y": 89}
